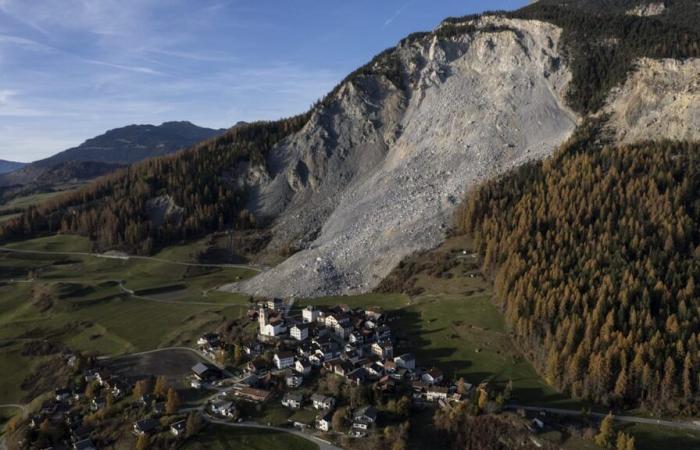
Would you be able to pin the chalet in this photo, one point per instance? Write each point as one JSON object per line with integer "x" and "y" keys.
{"x": 283, "y": 360}
{"x": 206, "y": 372}
{"x": 356, "y": 338}
{"x": 302, "y": 366}
{"x": 293, "y": 380}
{"x": 406, "y": 361}
{"x": 62, "y": 394}
{"x": 324, "y": 420}
{"x": 339, "y": 367}
{"x": 434, "y": 393}
{"x": 374, "y": 370}
{"x": 374, "y": 314}
{"x": 257, "y": 367}
{"x": 223, "y": 408}
{"x": 98, "y": 403}
{"x": 252, "y": 350}
{"x": 310, "y": 314}
{"x": 383, "y": 349}
{"x": 433, "y": 376}
{"x": 357, "y": 376}
{"x": 90, "y": 375}
{"x": 147, "y": 400}
{"x": 209, "y": 339}
{"x": 178, "y": 428}
{"x": 322, "y": 402}
{"x": 256, "y": 395}
{"x": 145, "y": 426}
{"x": 300, "y": 332}
{"x": 120, "y": 389}
{"x": 293, "y": 400}
{"x": 364, "y": 417}
{"x": 315, "y": 360}
{"x": 275, "y": 304}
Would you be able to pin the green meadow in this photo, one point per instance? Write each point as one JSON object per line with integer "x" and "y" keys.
{"x": 88, "y": 311}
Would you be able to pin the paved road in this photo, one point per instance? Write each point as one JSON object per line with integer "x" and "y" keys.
{"x": 129, "y": 257}
{"x": 680, "y": 425}
{"x": 322, "y": 444}
{"x": 15, "y": 406}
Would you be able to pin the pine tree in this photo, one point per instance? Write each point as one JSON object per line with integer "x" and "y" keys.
{"x": 606, "y": 433}
{"x": 173, "y": 403}
{"x": 161, "y": 387}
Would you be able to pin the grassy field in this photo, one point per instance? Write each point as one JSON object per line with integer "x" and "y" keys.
{"x": 88, "y": 311}
{"x": 453, "y": 325}
{"x": 216, "y": 437}
{"x": 22, "y": 202}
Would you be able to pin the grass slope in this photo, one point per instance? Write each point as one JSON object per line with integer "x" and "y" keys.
{"x": 89, "y": 312}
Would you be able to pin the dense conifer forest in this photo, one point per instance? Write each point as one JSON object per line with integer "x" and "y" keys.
{"x": 595, "y": 257}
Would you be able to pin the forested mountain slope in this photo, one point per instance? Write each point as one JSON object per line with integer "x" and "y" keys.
{"x": 595, "y": 255}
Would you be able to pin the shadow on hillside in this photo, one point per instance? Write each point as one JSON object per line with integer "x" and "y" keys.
{"x": 411, "y": 338}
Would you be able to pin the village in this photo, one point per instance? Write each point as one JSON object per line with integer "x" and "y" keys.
{"x": 335, "y": 369}
{"x": 297, "y": 361}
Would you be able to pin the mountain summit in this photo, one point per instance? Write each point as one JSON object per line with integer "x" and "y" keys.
{"x": 115, "y": 148}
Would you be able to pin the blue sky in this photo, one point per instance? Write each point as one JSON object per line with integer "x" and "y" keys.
{"x": 72, "y": 69}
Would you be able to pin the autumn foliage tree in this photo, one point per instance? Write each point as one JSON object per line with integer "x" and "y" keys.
{"x": 595, "y": 260}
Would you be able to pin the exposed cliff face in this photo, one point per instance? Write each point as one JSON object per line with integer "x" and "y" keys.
{"x": 376, "y": 173}
{"x": 660, "y": 99}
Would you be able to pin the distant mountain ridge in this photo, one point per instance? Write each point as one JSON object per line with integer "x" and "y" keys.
{"x": 106, "y": 152}
{"x": 10, "y": 166}
{"x": 133, "y": 143}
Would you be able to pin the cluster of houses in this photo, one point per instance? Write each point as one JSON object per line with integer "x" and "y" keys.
{"x": 355, "y": 344}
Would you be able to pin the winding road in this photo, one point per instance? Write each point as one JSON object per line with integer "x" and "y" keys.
{"x": 629, "y": 419}
{"x": 15, "y": 406}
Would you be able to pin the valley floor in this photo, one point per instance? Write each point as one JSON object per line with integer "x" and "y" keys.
{"x": 117, "y": 307}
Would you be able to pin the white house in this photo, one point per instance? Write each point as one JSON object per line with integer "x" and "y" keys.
{"x": 300, "y": 332}
{"x": 383, "y": 349}
{"x": 322, "y": 402}
{"x": 406, "y": 361}
{"x": 293, "y": 400}
{"x": 283, "y": 360}
{"x": 178, "y": 428}
{"x": 223, "y": 408}
{"x": 324, "y": 421}
{"x": 435, "y": 393}
{"x": 433, "y": 376}
{"x": 310, "y": 314}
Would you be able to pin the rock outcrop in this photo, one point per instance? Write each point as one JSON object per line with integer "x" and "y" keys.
{"x": 378, "y": 170}
{"x": 661, "y": 98}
